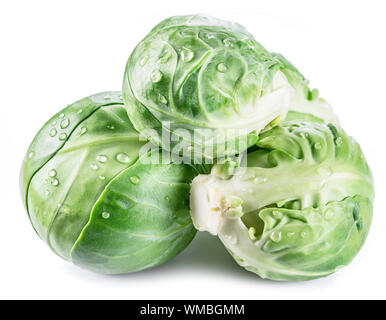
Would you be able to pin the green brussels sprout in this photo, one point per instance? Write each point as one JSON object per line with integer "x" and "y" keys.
{"x": 300, "y": 207}
{"x": 306, "y": 103}
{"x": 91, "y": 198}
{"x": 205, "y": 82}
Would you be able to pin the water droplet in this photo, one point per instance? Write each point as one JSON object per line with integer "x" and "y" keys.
{"x": 165, "y": 56}
{"x": 46, "y": 181}
{"x": 143, "y": 61}
{"x": 120, "y": 98}
{"x": 80, "y": 111}
{"x": 290, "y": 234}
{"x": 61, "y": 115}
{"x": 102, "y": 177}
{"x": 64, "y": 123}
{"x": 62, "y": 136}
{"x": 222, "y": 67}
{"x": 31, "y": 155}
{"x": 339, "y": 141}
{"x": 260, "y": 180}
{"x": 47, "y": 192}
{"x": 167, "y": 198}
{"x": 329, "y": 214}
{"x": 210, "y": 36}
{"x": 134, "y": 179}
{"x": 187, "y": 54}
{"x": 82, "y": 131}
{"x": 303, "y": 234}
{"x": 59, "y": 205}
{"x": 94, "y": 166}
{"x": 156, "y": 76}
{"x": 53, "y": 132}
{"x": 54, "y": 123}
{"x": 227, "y": 43}
{"x": 275, "y": 236}
{"x": 105, "y": 215}
{"x": 101, "y": 158}
{"x": 55, "y": 182}
{"x": 52, "y": 173}
{"x": 107, "y": 97}
{"x": 162, "y": 99}
{"x": 110, "y": 127}
{"x": 317, "y": 145}
{"x": 122, "y": 157}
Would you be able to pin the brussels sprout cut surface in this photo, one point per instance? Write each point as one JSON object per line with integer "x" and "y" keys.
{"x": 93, "y": 201}
{"x": 300, "y": 209}
{"x": 206, "y": 82}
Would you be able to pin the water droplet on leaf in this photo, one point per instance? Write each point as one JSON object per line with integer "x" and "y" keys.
{"x": 64, "y": 123}
{"x": 134, "y": 179}
{"x": 53, "y": 132}
{"x": 156, "y": 76}
{"x": 222, "y": 67}
{"x": 105, "y": 215}
{"x": 122, "y": 157}
{"x": 143, "y": 61}
{"x": 186, "y": 54}
{"x": 101, "y": 158}
{"x": 162, "y": 99}
{"x": 275, "y": 236}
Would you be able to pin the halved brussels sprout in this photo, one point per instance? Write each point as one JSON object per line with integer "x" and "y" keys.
{"x": 93, "y": 200}
{"x": 205, "y": 82}
{"x": 299, "y": 209}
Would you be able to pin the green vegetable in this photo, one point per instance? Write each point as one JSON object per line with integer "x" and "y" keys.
{"x": 94, "y": 201}
{"x": 197, "y": 76}
{"x": 306, "y": 103}
{"x": 299, "y": 209}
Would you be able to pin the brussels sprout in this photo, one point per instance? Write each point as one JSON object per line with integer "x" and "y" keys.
{"x": 306, "y": 103}
{"x": 207, "y": 83}
{"x": 299, "y": 209}
{"x": 93, "y": 200}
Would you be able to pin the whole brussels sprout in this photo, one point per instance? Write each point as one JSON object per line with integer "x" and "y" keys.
{"x": 93, "y": 200}
{"x": 207, "y": 83}
{"x": 299, "y": 209}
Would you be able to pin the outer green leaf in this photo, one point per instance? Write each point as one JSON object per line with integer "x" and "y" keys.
{"x": 140, "y": 221}
{"x": 306, "y": 104}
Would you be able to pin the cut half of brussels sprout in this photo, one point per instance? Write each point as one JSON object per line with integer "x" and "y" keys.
{"x": 93, "y": 200}
{"x": 299, "y": 209}
{"x": 205, "y": 82}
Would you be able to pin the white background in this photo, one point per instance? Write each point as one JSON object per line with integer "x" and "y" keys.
{"x": 53, "y": 53}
